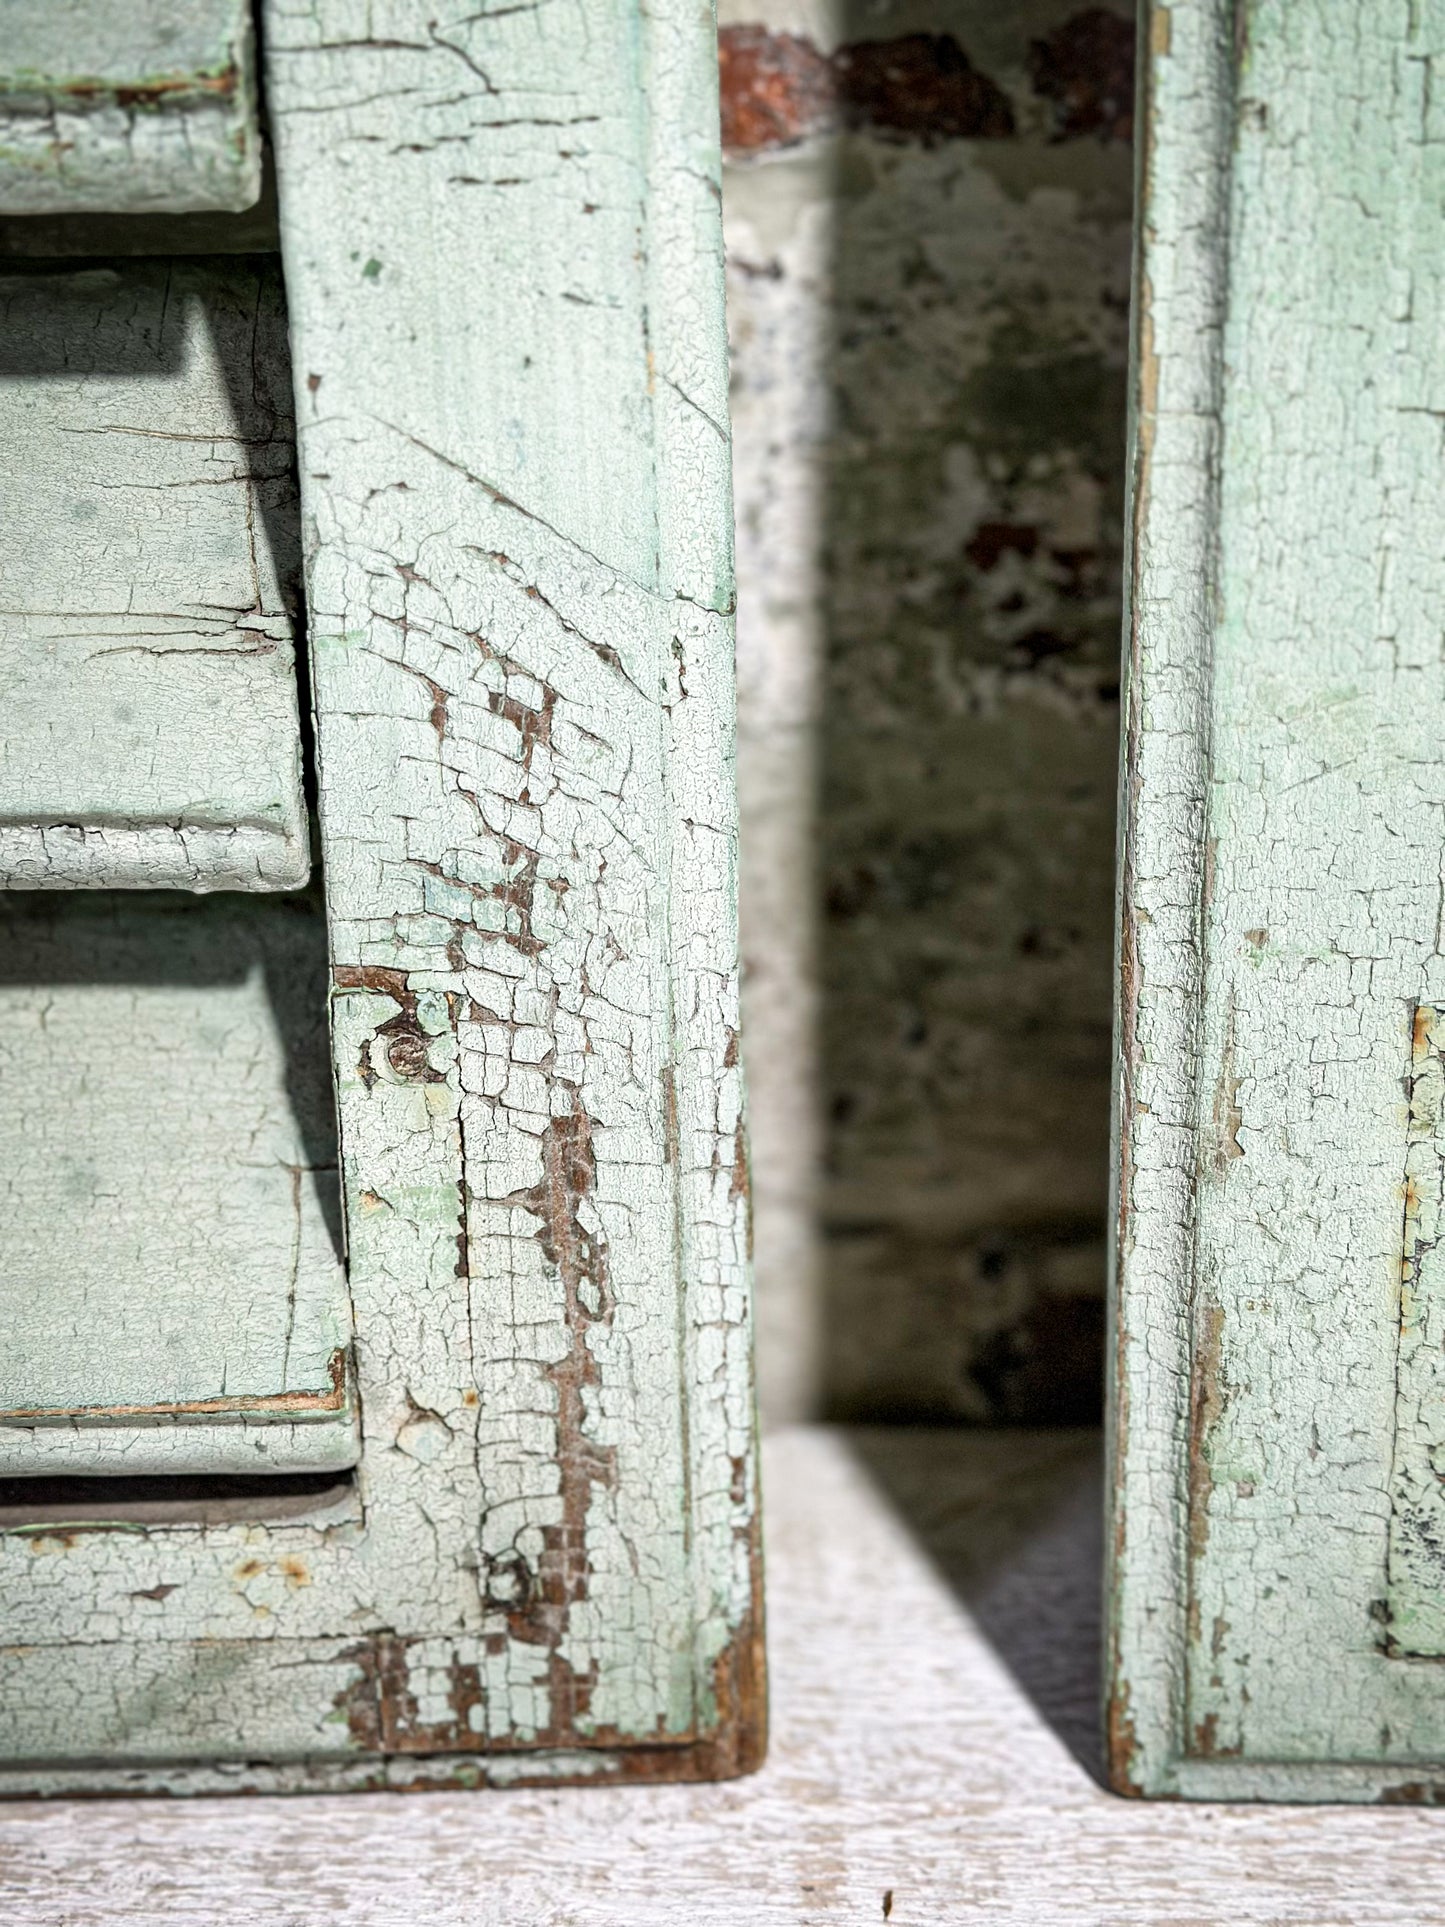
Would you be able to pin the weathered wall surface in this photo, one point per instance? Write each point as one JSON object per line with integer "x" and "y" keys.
{"x": 928, "y": 215}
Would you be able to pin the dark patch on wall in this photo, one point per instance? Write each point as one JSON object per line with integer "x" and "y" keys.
{"x": 920, "y": 86}
{"x": 972, "y": 478}
{"x": 1047, "y": 1362}
{"x": 972, "y": 562}
{"x": 1085, "y": 67}
{"x": 777, "y": 88}
{"x": 1004, "y": 1326}
{"x": 991, "y": 541}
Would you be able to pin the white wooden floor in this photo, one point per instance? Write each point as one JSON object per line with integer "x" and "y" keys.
{"x": 934, "y": 1626}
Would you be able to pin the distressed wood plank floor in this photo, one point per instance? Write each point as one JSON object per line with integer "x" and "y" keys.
{"x": 934, "y": 1625}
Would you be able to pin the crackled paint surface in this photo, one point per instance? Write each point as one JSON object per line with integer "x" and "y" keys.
{"x": 502, "y": 251}
{"x": 1276, "y": 1421}
{"x": 173, "y": 1298}
{"x": 1415, "y": 1598}
{"x": 928, "y": 216}
{"x": 132, "y": 109}
{"x": 151, "y": 735}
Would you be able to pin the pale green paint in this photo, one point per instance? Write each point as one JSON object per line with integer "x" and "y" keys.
{"x": 1284, "y": 817}
{"x": 170, "y": 1221}
{"x": 128, "y": 106}
{"x": 1416, "y": 1595}
{"x": 150, "y": 529}
{"x": 514, "y": 462}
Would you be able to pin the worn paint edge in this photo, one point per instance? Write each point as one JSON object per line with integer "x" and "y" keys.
{"x": 300, "y": 1405}
{"x": 733, "y": 1747}
{"x": 1185, "y": 67}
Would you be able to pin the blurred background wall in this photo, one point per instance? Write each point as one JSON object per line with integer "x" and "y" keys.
{"x": 927, "y": 208}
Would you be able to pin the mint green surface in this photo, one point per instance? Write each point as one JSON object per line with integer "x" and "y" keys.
{"x": 1276, "y": 1554}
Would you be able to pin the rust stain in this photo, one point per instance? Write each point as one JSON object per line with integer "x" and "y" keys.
{"x": 536, "y": 1600}
{"x": 402, "y": 1038}
{"x": 1423, "y": 1023}
{"x": 740, "y": 1185}
{"x": 1207, "y": 1398}
{"x": 44, "y": 1539}
{"x": 151, "y": 93}
{"x": 778, "y": 88}
{"x": 672, "y": 1144}
{"x": 534, "y": 726}
{"x": 564, "y": 1570}
{"x": 738, "y": 1483}
{"x": 1206, "y": 1741}
{"x": 1122, "y": 1742}
{"x": 380, "y": 1706}
{"x": 1085, "y": 67}
{"x": 293, "y": 1570}
{"x": 736, "y": 1746}
{"x": 300, "y": 1403}
{"x": 382, "y": 1714}
{"x": 378, "y": 977}
{"x": 1420, "y": 1029}
{"x": 406, "y": 1052}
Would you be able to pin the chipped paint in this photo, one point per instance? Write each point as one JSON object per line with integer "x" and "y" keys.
{"x": 1414, "y": 1620}
{"x": 178, "y": 762}
{"x": 161, "y": 115}
{"x": 289, "y": 1404}
{"x": 519, "y": 612}
{"x": 1279, "y": 1417}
